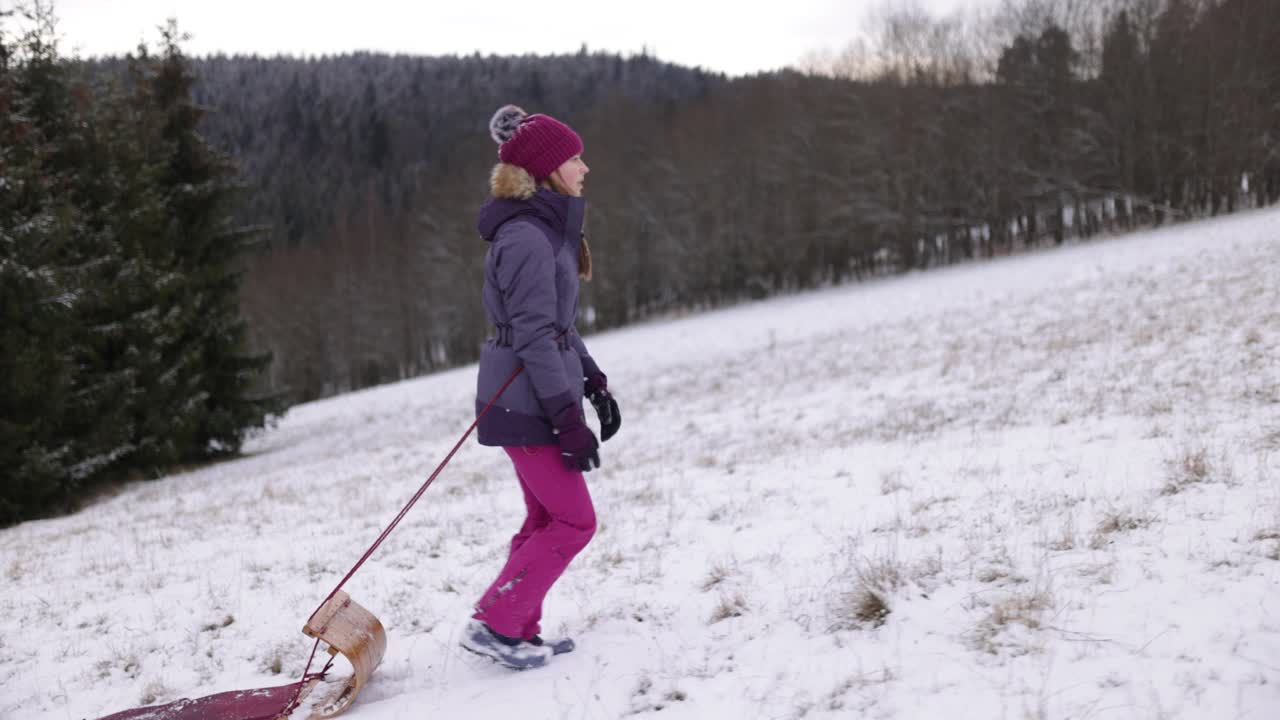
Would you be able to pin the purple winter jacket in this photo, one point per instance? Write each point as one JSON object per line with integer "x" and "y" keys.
{"x": 531, "y": 298}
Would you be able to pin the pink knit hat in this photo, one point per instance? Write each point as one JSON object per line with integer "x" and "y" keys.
{"x": 537, "y": 143}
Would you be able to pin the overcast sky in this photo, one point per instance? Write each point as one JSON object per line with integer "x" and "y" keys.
{"x": 733, "y": 37}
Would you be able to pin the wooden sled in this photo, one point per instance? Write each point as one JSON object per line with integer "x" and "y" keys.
{"x": 343, "y": 625}
{"x": 352, "y": 631}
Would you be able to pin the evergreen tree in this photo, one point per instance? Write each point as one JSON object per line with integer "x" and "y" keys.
{"x": 35, "y": 322}
{"x": 122, "y": 347}
{"x": 199, "y": 402}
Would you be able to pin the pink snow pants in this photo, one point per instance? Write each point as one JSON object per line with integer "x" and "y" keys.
{"x": 560, "y": 521}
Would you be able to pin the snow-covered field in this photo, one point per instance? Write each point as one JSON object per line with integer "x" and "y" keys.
{"x": 1060, "y": 473}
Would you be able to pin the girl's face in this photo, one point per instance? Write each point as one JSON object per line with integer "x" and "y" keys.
{"x": 569, "y": 177}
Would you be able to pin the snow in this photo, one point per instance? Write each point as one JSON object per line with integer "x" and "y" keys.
{"x": 1058, "y": 470}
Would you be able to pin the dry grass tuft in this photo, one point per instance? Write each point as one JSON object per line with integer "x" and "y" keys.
{"x": 869, "y": 607}
{"x": 836, "y": 698}
{"x": 1018, "y": 610}
{"x": 610, "y": 559}
{"x": 126, "y": 662}
{"x": 1270, "y": 540}
{"x": 153, "y": 692}
{"x": 891, "y": 482}
{"x": 911, "y": 420}
{"x": 717, "y": 575}
{"x": 1269, "y": 440}
{"x": 922, "y": 506}
{"x": 999, "y": 569}
{"x": 273, "y": 662}
{"x": 644, "y": 700}
{"x": 1117, "y": 521}
{"x": 928, "y": 568}
{"x": 224, "y": 622}
{"x": 14, "y": 572}
{"x": 1021, "y": 609}
{"x": 1066, "y": 539}
{"x": 729, "y": 607}
{"x": 648, "y": 496}
{"x": 867, "y": 604}
{"x": 1190, "y": 467}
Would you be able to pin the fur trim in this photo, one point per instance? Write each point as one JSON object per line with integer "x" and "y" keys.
{"x": 511, "y": 182}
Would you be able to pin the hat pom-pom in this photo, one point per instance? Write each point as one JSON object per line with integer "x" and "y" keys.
{"x": 505, "y": 123}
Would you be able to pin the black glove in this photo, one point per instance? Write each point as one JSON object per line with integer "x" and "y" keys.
{"x": 606, "y": 407}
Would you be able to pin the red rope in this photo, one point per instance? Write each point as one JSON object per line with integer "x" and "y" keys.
{"x": 421, "y": 490}
{"x": 306, "y": 675}
{"x": 396, "y": 521}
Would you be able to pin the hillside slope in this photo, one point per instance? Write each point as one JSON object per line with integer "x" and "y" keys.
{"x": 1059, "y": 472}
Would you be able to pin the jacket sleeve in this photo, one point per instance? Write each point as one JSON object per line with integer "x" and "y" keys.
{"x": 589, "y": 367}
{"x": 525, "y": 271}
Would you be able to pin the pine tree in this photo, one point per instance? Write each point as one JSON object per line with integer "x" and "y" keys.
{"x": 35, "y": 378}
{"x": 199, "y": 404}
{"x": 121, "y": 348}
{"x": 58, "y": 425}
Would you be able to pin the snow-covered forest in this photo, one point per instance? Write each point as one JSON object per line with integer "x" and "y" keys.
{"x": 934, "y": 142}
{"x": 1046, "y": 486}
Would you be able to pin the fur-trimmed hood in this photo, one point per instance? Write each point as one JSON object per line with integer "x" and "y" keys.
{"x": 515, "y": 194}
{"x": 511, "y": 182}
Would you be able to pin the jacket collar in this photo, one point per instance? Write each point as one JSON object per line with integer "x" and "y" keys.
{"x": 561, "y": 214}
